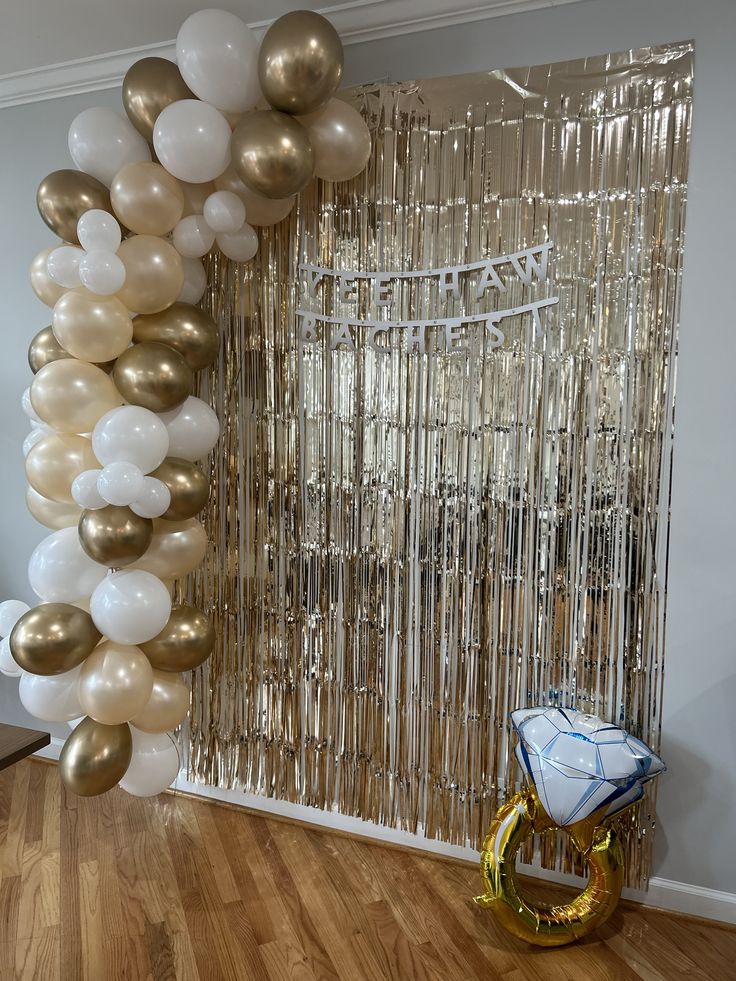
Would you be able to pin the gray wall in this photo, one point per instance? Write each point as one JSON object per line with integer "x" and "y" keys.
{"x": 697, "y": 799}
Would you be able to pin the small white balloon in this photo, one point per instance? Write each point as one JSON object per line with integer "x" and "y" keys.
{"x": 195, "y": 281}
{"x": 239, "y": 246}
{"x": 10, "y": 613}
{"x": 193, "y": 237}
{"x": 102, "y": 272}
{"x": 217, "y": 54}
{"x": 131, "y": 434}
{"x": 224, "y": 212}
{"x": 192, "y": 141}
{"x": 8, "y": 664}
{"x": 154, "y": 765}
{"x": 120, "y": 483}
{"x": 102, "y": 142}
{"x": 52, "y": 698}
{"x": 193, "y": 429}
{"x": 130, "y": 606}
{"x": 60, "y": 571}
{"x": 62, "y": 265}
{"x": 27, "y": 406}
{"x": 154, "y": 499}
{"x": 31, "y": 439}
{"x": 84, "y": 490}
{"x": 98, "y": 230}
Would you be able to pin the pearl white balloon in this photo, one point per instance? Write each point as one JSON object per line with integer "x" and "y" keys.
{"x": 98, "y": 230}
{"x": 8, "y": 664}
{"x": 193, "y": 429}
{"x": 192, "y": 141}
{"x": 10, "y": 613}
{"x": 120, "y": 483}
{"x": 239, "y": 246}
{"x": 130, "y": 606}
{"x": 60, "y": 571}
{"x": 31, "y": 439}
{"x": 193, "y": 237}
{"x": 154, "y": 766}
{"x": 224, "y": 212}
{"x": 102, "y": 142}
{"x": 195, "y": 281}
{"x": 217, "y": 54}
{"x": 131, "y": 434}
{"x": 62, "y": 265}
{"x": 52, "y": 698}
{"x": 84, "y": 490}
{"x": 154, "y": 499}
{"x": 27, "y": 406}
{"x": 102, "y": 272}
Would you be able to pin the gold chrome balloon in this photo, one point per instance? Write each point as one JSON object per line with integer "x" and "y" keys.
{"x": 189, "y": 330}
{"x": 95, "y": 757}
{"x": 54, "y": 462}
{"x": 52, "y": 514}
{"x": 114, "y": 536}
{"x": 300, "y": 62}
{"x": 64, "y": 196}
{"x": 44, "y": 348}
{"x": 146, "y": 198}
{"x": 271, "y": 153}
{"x": 167, "y": 706}
{"x": 152, "y": 375}
{"x": 549, "y": 926}
{"x": 149, "y": 86}
{"x": 154, "y": 274}
{"x": 188, "y": 486}
{"x": 53, "y": 638}
{"x": 185, "y": 642}
{"x": 41, "y": 283}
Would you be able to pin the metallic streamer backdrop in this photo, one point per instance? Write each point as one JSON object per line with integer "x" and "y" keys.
{"x": 408, "y": 545}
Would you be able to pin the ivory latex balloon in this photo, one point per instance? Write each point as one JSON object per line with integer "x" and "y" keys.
{"x": 35, "y": 436}
{"x": 98, "y": 231}
{"x": 195, "y": 281}
{"x": 130, "y": 606}
{"x": 192, "y": 141}
{"x": 95, "y": 757}
{"x": 188, "y": 488}
{"x": 63, "y": 265}
{"x": 271, "y": 154}
{"x": 239, "y": 246}
{"x": 224, "y": 211}
{"x": 52, "y": 514}
{"x": 259, "y": 210}
{"x": 52, "y": 698}
{"x": 91, "y": 327}
{"x": 154, "y": 499}
{"x": 60, "y": 571}
{"x": 149, "y": 86}
{"x": 153, "y": 375}
{"x": 193, "y": 429}
{"x": 167, "y": 706}
{"x": 72, "y": 395}
{"x": 186, "y": 328}
{"x": 115, "y": 683}
{"x": 119, "y": 483}
{"x": 10, "y": 613}
{"x": 102, "y": 272}
{"x": 193, "y": 237}
{"x": 176, "y": 549}
{"x": 53, "y": 638}
{"x": 153, "y": 273}
{"x": 53, "y": 464}
{"x": 102, "y": 142}
{"x": 132, "y": 434}
{"x": 341, "y": 141}
{"x": 44, "y": 348}
{"x": 146, "y": 198}
{"x": 64, "y": 196}
{"x": 8, "y": 665}
{"x": 85, "y": 492}
{"x": 114, "y": 536}
{"x": 154, "y": 765}
{"x": 186, "y": 641}
{"x": 217, "y": 54}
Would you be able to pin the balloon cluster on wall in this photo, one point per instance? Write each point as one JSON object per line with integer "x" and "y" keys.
{"x": 116, "y": 436}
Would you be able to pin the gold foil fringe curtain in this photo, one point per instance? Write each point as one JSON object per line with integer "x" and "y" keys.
{"x": 407, "y": 545}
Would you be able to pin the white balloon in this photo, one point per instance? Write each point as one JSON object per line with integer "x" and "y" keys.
{"x": 120, "y": 483}
{"x": 10, "y": 613}
{"x": 192, "y": 141}
{"x": 130, "y": 606}
{"x": 154, "y": 499}
{"x": 217, "y": 54}
{"x": 102, "y": 141}
{"x": 131, "y": 434}
{"x": 224, "y": 212}
{"x": 27, "y": 406}
{"x": 102, "y": 272}
{"x": 239, "y": 246}
{"x": 60, "y": 571}
{"x": 52, "y": 698}
{"x": 84, "y": 490}
{"x": 98, "y": 230}
{"x": 62, "y": 265}
{"x": 31, "y": 439}
{"x": 195, "y": 281}
{"x": 154, "y": 765}
{"x": 193, "y": 429}
{"x": 193, "y": 237}
{"x": 8, "y": 664}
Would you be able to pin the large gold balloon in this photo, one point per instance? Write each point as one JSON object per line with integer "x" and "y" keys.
{"x": 41, "y": 283}
{"x": 44, "y": 348}
{"x": 114, "y": 536}
{"x": 149, "y": 86}
{"x": 154, "y": 274}
{"x": 167, "y": 706}
{"x": 52, "y": 514}
{"x": 189, "y": 330}
{"x": 72, "y": 395}
{"x": 146, "y": 198}
{"x": 176, "y": 550}
{"x": 188, "y": 486}
{"x": 64, "y": 196}
{"x": 115, "y": 683}
{"x": 271, "y": 153}
{"x": 53, "y": 638}
{"x": 153, "y": 375}
{"x": 300, "y": 62}
{"x": 184, "y": 643}
{"x": 91, "y": 327}
{"x": 258, "y": 210}
{"x": 54, "y": 462}
{"x": 95, "y": 757}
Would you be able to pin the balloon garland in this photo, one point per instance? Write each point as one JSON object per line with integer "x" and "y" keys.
{"x": 116, "y": 436}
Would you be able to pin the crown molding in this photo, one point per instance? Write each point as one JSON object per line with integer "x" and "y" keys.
{"x": 357, "y": 21}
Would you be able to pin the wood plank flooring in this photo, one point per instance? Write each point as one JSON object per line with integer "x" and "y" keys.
{"x": 176, "y": 889}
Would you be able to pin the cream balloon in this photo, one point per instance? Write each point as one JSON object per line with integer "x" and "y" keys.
{"x": 92, "y": 327}
{"x": 115, "y": 683}
{"x": 154, "y": 765}
{"x": 195, "y": 196}
{"x": 195, "y": 281}
{"x": 177, "y": 549}
{"x": 153, "y": 273}
{"x": 167, "y": 706}
{"x": 258, "y": 210}
{"x": 42, "y": 284}
{"x": 192, "y": 141}
{"x": 60, "y": 571}
{"x": 130, "y": 606}
{"x": 53, "y": 697}
{"x": 54, "y": 462}
{"x": 217, "y": 55}
{"x": 131, "y": 434}
{"x": 52, "y": 514}
{"x": 146, "y": 198}
{"x": 341, "y": 141}
{"x": 193, "y": 429}
{"x": 72, "y": 395}
{"x": 102, "y": 142}
{"x": 193, "y": 237}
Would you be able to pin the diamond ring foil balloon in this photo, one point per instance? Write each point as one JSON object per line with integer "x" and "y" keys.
{"x": 581, "y": 771}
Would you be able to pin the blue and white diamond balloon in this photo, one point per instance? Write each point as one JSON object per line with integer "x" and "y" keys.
{"x": 579, "y": 763}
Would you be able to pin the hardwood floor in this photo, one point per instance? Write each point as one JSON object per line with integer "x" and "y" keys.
{"x": 176, "y": 889}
